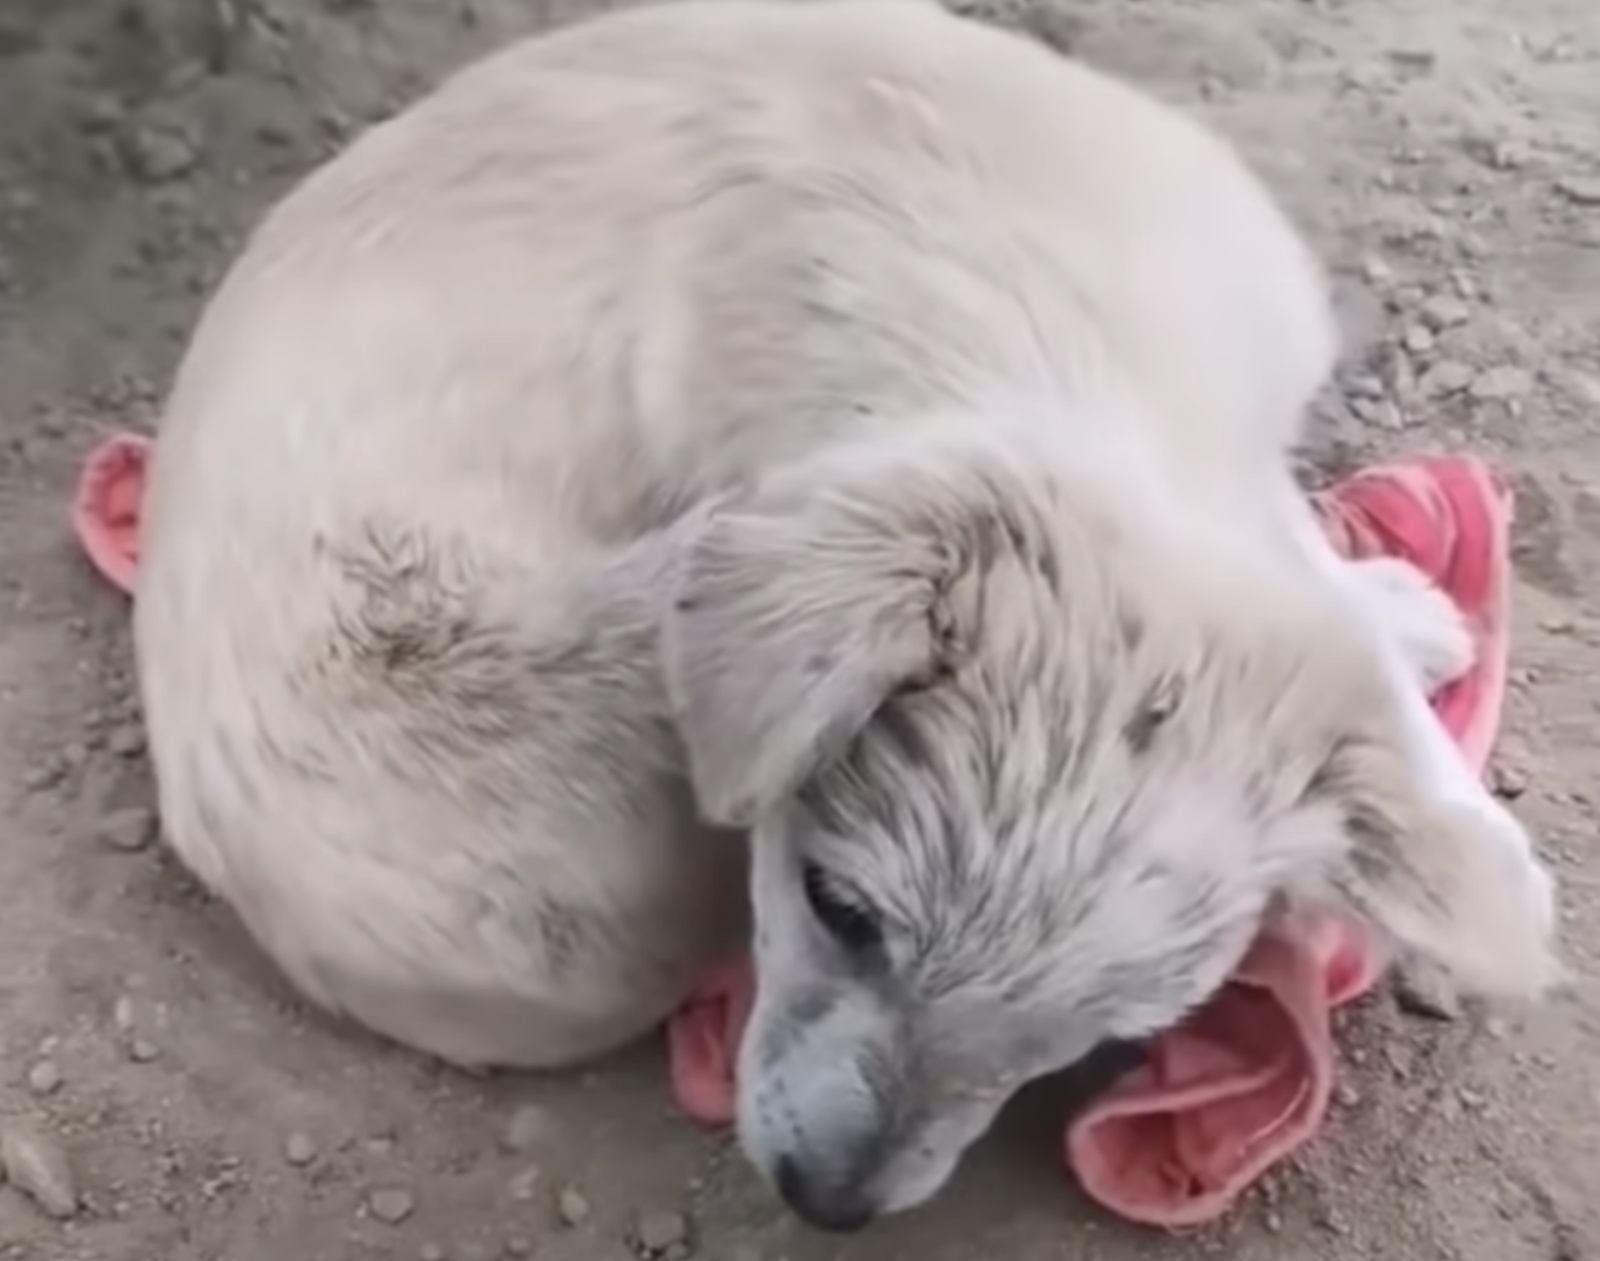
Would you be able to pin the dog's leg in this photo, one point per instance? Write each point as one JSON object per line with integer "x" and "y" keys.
{"x": 1425, "y": 623}
{"x": 1420, "y": 641}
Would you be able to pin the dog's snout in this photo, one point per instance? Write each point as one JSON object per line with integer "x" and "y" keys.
{"x": 838, "y": 1205}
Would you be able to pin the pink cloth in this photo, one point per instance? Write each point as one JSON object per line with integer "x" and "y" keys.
{"x": 105, "y": 509}
{"x": 1247, "y": 1080}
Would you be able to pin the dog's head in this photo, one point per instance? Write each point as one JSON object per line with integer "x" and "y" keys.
{"x": 1021, "y": 776}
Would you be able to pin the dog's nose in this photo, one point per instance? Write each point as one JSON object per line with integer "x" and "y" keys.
{"x": 837, "y": 1207}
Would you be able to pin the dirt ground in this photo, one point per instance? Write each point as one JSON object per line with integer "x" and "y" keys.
{"x": 1445, "y": 154}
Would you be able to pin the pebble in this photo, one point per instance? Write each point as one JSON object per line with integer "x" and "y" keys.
{"x": 1380, "y": 412}
{"x": 525, "y": 1185}
{"x": 142, "y": 1051}
{"x": 661, "y": 1232}
{"x": 571, "y": 1207}
{"x": 1422, "y": 992}
{"x": 299, "y": 1149}
{"x": 100, "y": 113}
{"x": 1448, "y": 376}
{"x": 127, "y": 740}
{"x": 1418, "y": 59}
{"x": 45, "y": 775}
{"x": 1505, "y": 155}
{"x": 1579, "y": 190}
{"x": 1400, "y": 374}
{"x": 1417, "y": 339}
{"x": 430, "y": 1252}
{"x": 44, "y": 1078}
{"x": 1442, "y": 311}
{"x": 391, "y": 1205}
{"x": 517, "y": 1246}
{"x": 38, "y": 1168}
{"x": 527, "y": 1128}
{"x": 1508, "y": 780}
{"x": 1502, "y": 384}
{"x": 159, "y": 154}
{"x": 130, "y": 829}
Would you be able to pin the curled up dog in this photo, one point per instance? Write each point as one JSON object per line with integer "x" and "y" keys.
{"x": 823, "y": 465}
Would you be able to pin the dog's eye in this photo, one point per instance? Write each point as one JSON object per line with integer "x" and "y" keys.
{"x": 854, "y": 926}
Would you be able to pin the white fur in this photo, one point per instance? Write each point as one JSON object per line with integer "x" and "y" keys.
{"x": 844, "y": 423}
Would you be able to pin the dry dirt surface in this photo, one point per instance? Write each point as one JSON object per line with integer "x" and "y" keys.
{"x": 162, "y": 1098}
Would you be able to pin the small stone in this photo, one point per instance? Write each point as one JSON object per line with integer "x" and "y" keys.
{"x": 1472, "y": 1100}
{"x": 127, "y": 740}
{"x": 391, "y": 1205}
{"x": 1273, "y": 1222}
{"x": 1380, "y": 412}
{"x": 1508, "y": 780}
{"x": 524, "y": 1186}
{"x": 43, "y": 776}
{"x": 299, "y": 1149}
{"x": 1446, "y": 377}
{"x": 129, "y": 830}
{"x": 1377, "y": 272}
{"x": 100, "y": 113}
{"x": 1426, "y": 993}
{"x": 1421, "y": 60}
{"x": 517, "y": 1246}
{"x": 1579, "y": 190}
{"x": 1443, "y": 311}
{"x": 142, "y": 1051}
{"x": 159, "y": 154}
{"x": 1346, "y": 1095}
{"x": 661, "y": 1231}
{"x": 571, "y": 1207}
{"x": 44, "y": 1078}
{"x": 1417, "y": 339}
{"x": 122, "y": 1014}
{"x": 38, "y": 1168}
{"x": 430, "y": 1252}
{"x": 1502, "y": 384}
{"x": 1506, "y": 156}
{"x": 1364, "y": 385}
{"x": 528, "y": 1127}
{"x": 1400, "y": 374}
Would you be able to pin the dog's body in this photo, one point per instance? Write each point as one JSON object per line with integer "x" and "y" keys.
{"x": 843, "y": 422}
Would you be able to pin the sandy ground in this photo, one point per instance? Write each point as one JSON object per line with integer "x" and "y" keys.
{"x": 1446, "y": 156}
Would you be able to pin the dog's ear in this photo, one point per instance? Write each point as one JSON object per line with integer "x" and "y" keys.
{"x": 797, "y": 612}
{"x": 1456, "y": 883}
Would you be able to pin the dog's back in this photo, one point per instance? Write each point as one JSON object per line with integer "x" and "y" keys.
{"x": 463, "y": 376}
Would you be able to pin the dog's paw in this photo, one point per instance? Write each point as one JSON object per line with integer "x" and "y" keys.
{"x": 1421, "y": 619}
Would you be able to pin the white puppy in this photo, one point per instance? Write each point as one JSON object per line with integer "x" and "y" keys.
{"x": 844, "y": 423}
